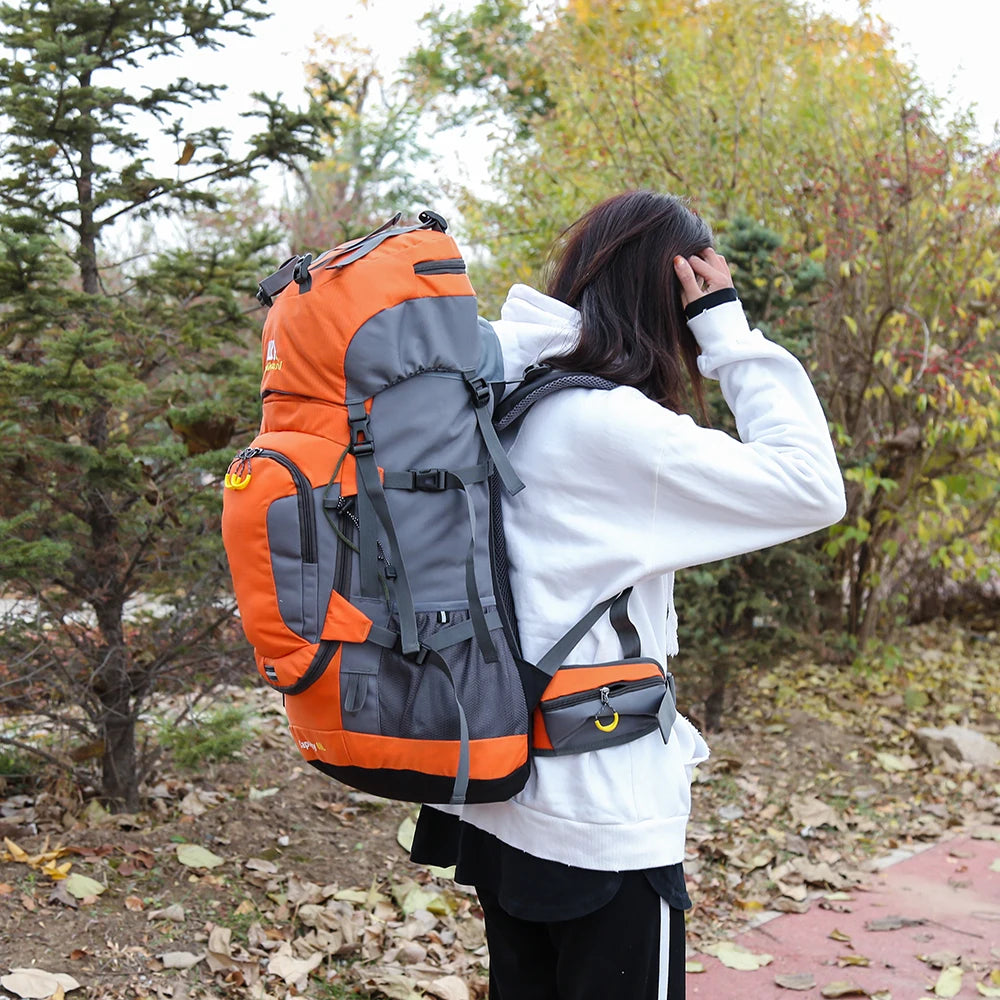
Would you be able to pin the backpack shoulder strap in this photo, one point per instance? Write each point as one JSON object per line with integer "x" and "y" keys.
{"x": 541, "y": 381}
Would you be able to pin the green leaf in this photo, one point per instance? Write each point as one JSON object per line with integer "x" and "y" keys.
{"x": 82, "y": 886}
{"x": 195, "y": 856}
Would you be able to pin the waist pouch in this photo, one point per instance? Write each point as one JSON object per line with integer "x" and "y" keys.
{"x": 592, "y": 706}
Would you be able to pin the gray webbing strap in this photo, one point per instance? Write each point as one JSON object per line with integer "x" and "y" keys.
{"x": 363, "y": 449}
{"x": 454, "y": 634}
{"x": 434, "y": 480}
{"x": 628, "y": 636}
{"x": 367, "y": 545}
{"x": 627, "y": 633}
{"x": 461, "y": 787}
{"x": 556, "y": 656}
{"x": 482, "y": 396}
{"x": 450, "y": 635}
{"x": 477, "y": 614}
{"x": 373, "y": 241}
{"x": 384, "y": 637}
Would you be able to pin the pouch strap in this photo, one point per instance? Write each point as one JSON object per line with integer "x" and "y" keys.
{"x": 363, "y": 449}
{"x": 628, "y": 634}
{"x": 626, "y": 631}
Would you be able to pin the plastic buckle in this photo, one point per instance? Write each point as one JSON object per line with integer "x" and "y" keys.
{"x": 430, "y": 480}
{"x": 432, "y": 220}
{"x": 300, "y": 273}
{"x": 535, "y": 371}
{"x": 362, "y": 448}
{"x": 480, "y": 390}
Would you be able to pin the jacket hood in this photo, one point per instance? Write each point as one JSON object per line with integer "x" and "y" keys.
{"x": 533, "y": 326}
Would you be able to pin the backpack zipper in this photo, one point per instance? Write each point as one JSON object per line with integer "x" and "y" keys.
{"x": 307, "y": 515}
{"x": 344, "y": 550}
{"x": 451, "y": 265}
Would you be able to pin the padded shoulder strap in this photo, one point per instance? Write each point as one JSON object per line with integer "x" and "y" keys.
{"x": 537, "y": 384}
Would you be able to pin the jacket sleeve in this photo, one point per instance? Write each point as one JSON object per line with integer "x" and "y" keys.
{"x": 717, "y": 496}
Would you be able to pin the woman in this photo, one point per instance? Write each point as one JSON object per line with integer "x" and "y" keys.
{"x": 579, "y": 875}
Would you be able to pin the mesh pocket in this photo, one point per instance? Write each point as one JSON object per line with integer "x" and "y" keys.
{"x": 418, "y": 700}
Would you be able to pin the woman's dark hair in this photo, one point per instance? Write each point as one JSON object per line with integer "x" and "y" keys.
{"x": 615, "y": 265}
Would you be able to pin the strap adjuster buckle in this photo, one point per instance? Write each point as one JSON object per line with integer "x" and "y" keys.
{"x": 480, "y": 391}
{"x": 430, "y": 480}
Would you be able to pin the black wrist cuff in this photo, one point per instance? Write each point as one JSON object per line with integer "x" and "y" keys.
{"x": 709, "y": 301}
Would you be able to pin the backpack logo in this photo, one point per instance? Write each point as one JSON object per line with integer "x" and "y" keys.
{"x": 271, "y": 362}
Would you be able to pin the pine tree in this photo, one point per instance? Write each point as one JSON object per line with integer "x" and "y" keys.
{"x": 119, "y": 382}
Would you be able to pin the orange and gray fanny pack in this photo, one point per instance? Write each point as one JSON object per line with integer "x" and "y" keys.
{"x": 363, "y": 527}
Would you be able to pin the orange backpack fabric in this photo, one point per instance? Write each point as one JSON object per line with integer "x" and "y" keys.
{"x": 363, "y": 527}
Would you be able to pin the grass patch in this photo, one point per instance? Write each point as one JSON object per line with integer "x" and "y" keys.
{"x": 219, "y": 735}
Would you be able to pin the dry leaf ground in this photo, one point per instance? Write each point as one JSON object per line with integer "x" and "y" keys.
{"x": 817, "y": 774}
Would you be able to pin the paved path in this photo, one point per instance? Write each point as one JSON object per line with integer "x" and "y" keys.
{"x": 953, "y": 888}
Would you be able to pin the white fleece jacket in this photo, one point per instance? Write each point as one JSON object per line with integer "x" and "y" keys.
{"x": 621, "y": 491}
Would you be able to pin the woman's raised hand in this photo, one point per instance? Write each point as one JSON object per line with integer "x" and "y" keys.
{"x": 701, "y": 274}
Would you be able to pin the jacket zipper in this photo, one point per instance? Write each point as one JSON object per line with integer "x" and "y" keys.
{"x": 451, "y": 265}
{"x": 307, "y": 515}
{"x": 620, "y": 687}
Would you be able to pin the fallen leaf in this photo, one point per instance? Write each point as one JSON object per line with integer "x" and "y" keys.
{"x": 894, "y": 763}
{"x": 949, "y": 983}
{"x": 82, "y": 886}
{"x": 987, "y": 991}
{"x": 173, "y": 912}
{"x": 261, "y": 865}
{"x": 893, "y": 923}
{"x": 795, "y": 980}
{"x": 37, "y": 983}
{"x": 448, "y": 988}
{"x": 839, "y": 935}
{"x": 294, "y": 971}
{"x": 843, "y": 988}
{"x": 134, "y": 903}
{"x": 734, "y": 956}
{"x": 180, "y": 959}
{"x": 694, "y": 967}
{"x": 854, "y": 960}
{"x": 995, "y": 865}
{"x": 405, "y": 832}
{"x": 807, "y": 810}
{"x": 194, "y": 856}
{"x": 941, "y": 959}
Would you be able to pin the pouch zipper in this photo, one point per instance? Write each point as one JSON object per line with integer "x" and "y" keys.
{"x": 308, "y": 539}
{"x": 451, "y": 265}
{"x": 617, "y": 688}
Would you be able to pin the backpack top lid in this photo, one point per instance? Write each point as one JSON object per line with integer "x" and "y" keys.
{"x": 352, "y": 323}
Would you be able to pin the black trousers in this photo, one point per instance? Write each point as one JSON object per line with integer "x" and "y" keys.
{"x": 632, "y": 948}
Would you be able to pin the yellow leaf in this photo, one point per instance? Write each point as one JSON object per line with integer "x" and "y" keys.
{"x": 16, "y": 853}
{"x": 949, "y": 983}
{"x": 186, "y": 154}
{"x": 734, "y": 956}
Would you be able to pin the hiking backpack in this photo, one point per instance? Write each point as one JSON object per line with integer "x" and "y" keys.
{"x": 363, "y": 527}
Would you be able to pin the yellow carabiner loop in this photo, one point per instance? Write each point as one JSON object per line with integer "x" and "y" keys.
{"x": 237, "y": 482}
{"x": 609, "y": 727}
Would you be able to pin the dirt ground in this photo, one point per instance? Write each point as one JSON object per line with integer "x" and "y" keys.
{"x": 307, "y": 891}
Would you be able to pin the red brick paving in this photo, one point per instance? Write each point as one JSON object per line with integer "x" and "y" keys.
{"x": 951, "y": 886}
